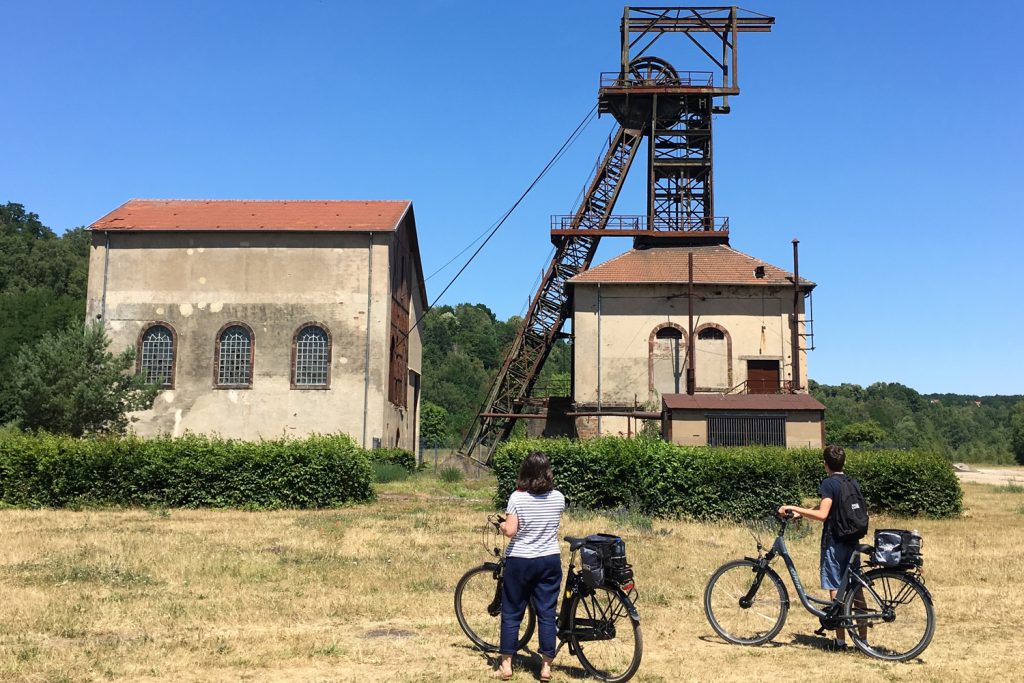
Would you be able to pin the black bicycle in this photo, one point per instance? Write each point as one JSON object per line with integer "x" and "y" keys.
{"x": 601, "y": 624}
{"x": 886, "y": 610}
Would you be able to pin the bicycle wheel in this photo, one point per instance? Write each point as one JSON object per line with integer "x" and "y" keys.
{"x": 728, "y": 612}
{"x": 603, "y": 636}
{"x": 897, "y": 624}
{"x": 478, "y": 609}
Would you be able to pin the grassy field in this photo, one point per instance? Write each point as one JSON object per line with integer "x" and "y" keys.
{"x": 365, "y": 593}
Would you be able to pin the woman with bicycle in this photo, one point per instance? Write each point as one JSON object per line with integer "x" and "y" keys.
{"x": 533, "y": 564}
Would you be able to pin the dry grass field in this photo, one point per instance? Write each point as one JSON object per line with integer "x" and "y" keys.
{"x": 365, "y": 593}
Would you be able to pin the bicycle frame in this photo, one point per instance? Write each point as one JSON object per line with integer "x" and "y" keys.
{"x": 851, "y": 575}
{"x": 585, "y": 628}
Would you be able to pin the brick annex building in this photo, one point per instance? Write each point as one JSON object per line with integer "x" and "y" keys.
{"x": 262, "y": 319}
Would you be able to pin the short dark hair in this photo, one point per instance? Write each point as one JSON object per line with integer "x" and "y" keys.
{"x": 835, "y": 457}
{"x": 535, "y": 474}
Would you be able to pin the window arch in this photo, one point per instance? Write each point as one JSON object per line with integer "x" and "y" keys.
{"x": 234, "y": 356}
{"x": 311, "y": 357}
{"x": 667, "y": 360}
{"x": 711, "y": 334}
{"x": 713, "y": 361}
{"x": 155, "y": 357}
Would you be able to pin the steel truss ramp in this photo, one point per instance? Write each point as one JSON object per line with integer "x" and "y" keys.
{"x": 549, "y": 307}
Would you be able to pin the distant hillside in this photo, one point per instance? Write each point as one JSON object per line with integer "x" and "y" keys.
{"x": 962, "y": 427}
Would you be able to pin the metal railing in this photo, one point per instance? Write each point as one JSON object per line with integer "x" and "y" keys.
{"x": 685, "y": 79}
{"x": 640, "y": 223}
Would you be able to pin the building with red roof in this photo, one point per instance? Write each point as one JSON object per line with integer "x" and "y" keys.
{"x": 261, "y": 319}
{"x": 632, "y": 342}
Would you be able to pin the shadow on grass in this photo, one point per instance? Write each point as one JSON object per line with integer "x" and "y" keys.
{"x": 716, "y": 640}
{"x": 530, "y": 661}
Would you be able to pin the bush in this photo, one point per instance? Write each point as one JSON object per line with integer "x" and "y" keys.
{"x": 660, "y": 479}
{"x": 449, "y": 475}
{"x": 395, "y": 456}
{"x": 384, "y": 472}
{"x": 191, "y": 471}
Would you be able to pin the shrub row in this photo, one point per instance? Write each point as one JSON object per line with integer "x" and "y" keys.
{"x": 191, "y": 471}
{"x": 395, "y": 456}
{"x": 658, "y": 478}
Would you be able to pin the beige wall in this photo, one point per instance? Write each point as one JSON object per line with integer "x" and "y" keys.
{"x": 617, "y": 357}
{"x": 803, "y": 428}
{"x": 274, "y": 282}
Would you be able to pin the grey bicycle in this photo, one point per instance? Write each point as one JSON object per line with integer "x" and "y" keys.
{"x": 886, "y": 610}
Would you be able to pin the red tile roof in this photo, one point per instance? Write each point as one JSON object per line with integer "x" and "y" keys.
{"x": 254, "y": 215}
{"x": 712, "y": 264}
{"x": 741, "y": 402}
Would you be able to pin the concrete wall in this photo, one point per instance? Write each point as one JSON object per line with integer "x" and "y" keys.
{"x": 615, "y": 326}
{"x": 274, "y": 282}
{"x": 803, "y": 428}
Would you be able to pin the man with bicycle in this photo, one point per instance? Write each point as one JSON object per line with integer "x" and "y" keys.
{"x": 836, "y": 548}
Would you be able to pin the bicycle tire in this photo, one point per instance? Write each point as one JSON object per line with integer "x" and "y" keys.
{"x": 593, "y": 635}
{"x": 473, "y": 592}
{"x": 722, "y": 595}
{"x": 908, "y": 632}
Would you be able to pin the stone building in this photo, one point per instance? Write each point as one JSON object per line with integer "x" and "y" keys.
{"x": 262, "y": 319}
{"x": 631, "y": 339}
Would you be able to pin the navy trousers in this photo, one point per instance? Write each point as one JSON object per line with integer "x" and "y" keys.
{"x": 539, "y": 578}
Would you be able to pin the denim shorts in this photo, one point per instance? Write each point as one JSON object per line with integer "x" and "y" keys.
{"x": 834, "y": 558}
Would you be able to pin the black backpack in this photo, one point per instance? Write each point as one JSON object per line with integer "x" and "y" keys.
{"x": 849, "y": 513}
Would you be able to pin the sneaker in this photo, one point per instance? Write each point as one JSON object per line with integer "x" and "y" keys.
{"x": 838, "y": 646}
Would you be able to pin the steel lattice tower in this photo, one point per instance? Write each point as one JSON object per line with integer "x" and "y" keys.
{"x": 672, "y": 110}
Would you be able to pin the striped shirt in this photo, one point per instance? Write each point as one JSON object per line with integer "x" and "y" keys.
{"x": 539, "y": 515}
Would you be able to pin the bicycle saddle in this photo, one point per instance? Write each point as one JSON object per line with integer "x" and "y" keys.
{"x": 575, "y": 543}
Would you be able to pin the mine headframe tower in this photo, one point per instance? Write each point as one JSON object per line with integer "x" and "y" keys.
{"x": 672, "y": 110}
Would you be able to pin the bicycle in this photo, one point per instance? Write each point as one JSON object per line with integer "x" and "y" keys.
{"x": 601, "y": 625}
{"x": 890, "y": 603}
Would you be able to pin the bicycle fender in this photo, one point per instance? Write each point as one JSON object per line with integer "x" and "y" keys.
{"x": 633, "y": 613}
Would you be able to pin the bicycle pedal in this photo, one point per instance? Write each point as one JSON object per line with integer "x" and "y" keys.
{"x": 820, "y": 631}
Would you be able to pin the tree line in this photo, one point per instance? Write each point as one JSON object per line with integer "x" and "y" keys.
{"x": 56, "y": 372}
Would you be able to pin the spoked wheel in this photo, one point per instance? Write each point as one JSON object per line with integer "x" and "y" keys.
{"x": 737, "y": 618}
{"x": 896, "y": 624}
{"x": 478, "y": 609}
{"x": 604, "y": 637}
{"x": 652, "y": 70}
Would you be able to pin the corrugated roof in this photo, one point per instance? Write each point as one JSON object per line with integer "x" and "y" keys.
{"x": 741, "y": 402}
{"x": 712, "y": 264}
{"x": 255, "y": 215}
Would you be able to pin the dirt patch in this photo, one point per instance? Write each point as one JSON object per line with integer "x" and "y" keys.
{"x": 994, "y": 476}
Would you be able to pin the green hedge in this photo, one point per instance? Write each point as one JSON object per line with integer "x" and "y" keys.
{"x": 191, "y": 471}
{"x": 395, "y": 456}
{"x": 658, "y": 478}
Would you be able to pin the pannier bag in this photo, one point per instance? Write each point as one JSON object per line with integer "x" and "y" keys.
{"x": 609, "y": 553}
{"x": 897, "y": 548}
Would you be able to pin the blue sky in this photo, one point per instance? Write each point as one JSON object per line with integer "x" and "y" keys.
{"x": 887, "y": 139}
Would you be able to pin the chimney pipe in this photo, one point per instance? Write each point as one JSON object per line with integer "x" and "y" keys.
{"x": 795, "y": 323}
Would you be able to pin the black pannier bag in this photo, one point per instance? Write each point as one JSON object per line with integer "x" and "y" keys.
{"x": 610, "y": 551}
{"x": 897, "y": 548}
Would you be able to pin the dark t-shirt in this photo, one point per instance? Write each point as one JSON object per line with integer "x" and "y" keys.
{"x": 829, "y": 489}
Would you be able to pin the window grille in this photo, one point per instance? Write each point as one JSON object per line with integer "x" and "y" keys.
{"x": 746, "y": 430}
{"x": 710, "y": 333}
{"x": 312, "y": 357}
{"x": 157, "y": 356}
{"x": 234, "y": 367}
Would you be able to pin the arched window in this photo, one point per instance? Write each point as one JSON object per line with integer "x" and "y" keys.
{"x": 711, "y": 334}
{"x": 156, "y": 355}
{"x": 311, "y": 358}
{"x": 667, "y": 360}
{"x": 234, "y": 356}
{"x": 713, "y": 361}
